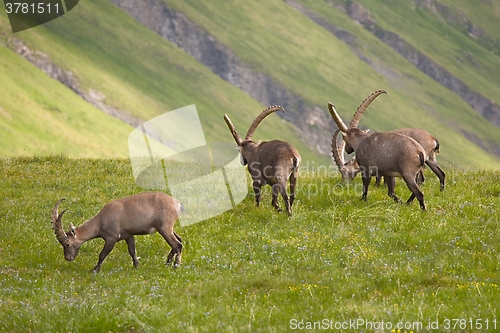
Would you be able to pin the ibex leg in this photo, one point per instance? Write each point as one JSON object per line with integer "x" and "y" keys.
{"x": 108, "y": 246}
{"x": 415, "y": 190}
{"x": 178, "y": 238}
{"x": 391, "y": 184}
{"x": 366, "y": 183}
{"x": 131, "y": 250}
{"x": 293, "y": 184}
{"x": 176, "y": 251}
{"x": 284, "y": 195}
{"x": 256, "y": 188}
{"x": 420, "y": 178}
{"x": 438, "y": 171}
{"x": 276, "y": 190}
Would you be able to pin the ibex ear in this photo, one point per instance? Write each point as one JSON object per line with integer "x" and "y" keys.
{"x": 243, "y": 161}
{"x": 72, "y": 230}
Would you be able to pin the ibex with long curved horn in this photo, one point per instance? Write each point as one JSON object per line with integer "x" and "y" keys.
{"x": 424, "y": 138}
{"x": 268, "y": 162}
{"x": 139, "y": 214}
{"x": 384, "y": 154}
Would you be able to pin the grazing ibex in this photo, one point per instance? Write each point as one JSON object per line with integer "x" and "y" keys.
{"x": 138, "y": 214}
{"x": 424, "y": 138}
{"x": 384, "y": 154}
{"x": 269, "y": 162}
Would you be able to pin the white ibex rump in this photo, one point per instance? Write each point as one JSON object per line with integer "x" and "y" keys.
{"x": 269, "y": 162}
{"x": 384, "y": 154}
{"x": 121, "y": 219}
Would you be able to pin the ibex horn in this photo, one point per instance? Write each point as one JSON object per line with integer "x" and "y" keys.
{"x": 340, "y": 123}
{"x": 235, "y": 134}
{"x": 338, "y": 152}
{"x": 57, "y": 224}
{"x": 261, "y": 117}
{"x": 359, "y": 112}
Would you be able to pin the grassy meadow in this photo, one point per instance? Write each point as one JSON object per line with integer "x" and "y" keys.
{"x": 337, "y": 261}
{"x": 339, "y": 264}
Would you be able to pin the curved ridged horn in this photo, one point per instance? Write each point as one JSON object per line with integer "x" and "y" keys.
{"x": 261, "y": 117}
{"x": 338, "y": 152}
{"x": 362, "y": 107}
{"x": 57, "y": 224}
{"x": 235, "y": 134}
{"x": 340, "y": 123}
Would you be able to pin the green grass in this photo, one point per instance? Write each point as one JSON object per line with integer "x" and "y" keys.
{"x": 250, "y": 269}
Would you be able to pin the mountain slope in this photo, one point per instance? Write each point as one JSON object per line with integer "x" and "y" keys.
{"x": 41, "y": 116}
{"x": 145, "y": 75}
{"x": 139, "y": 73}
{"x": 313, "y": 63}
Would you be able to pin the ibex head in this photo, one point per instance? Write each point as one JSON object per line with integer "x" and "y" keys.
{"x": 349, "y": 169}
{"x": 67, "y": 239}
{"x": 247, "y": 142}
{"x": 355, "y": 119}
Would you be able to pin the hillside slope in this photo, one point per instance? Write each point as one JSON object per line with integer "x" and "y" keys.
{"x": 40, "y": 116}
{"x": 297, "y": 54}
{"x": 312, "y": 62}
{"x": 137, "y": 72}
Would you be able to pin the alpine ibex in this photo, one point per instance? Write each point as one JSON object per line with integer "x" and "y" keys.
{"x": 424, "y": 138}
{"x": 268, "y": 162}
{"x": 138, "y": 214}
{"x": 384, "y": 154}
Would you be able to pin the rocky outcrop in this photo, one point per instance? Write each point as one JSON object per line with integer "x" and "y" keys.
{"x": 361, "y": 15}
{"x": 313, "y": 124}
